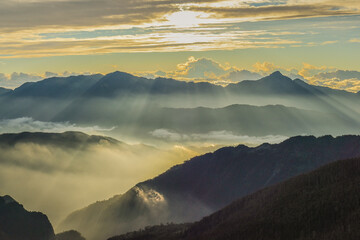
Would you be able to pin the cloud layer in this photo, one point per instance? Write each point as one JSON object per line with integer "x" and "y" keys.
{"x": 219, "y": 137}
{"x": 83, "y": 27}
{"x": 27, "y": 124}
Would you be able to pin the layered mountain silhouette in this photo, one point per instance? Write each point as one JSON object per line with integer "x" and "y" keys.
{"x": 323, "y": 204}
{"x": 118, "y": 83}
{"x": 57, "y": 87}
{"x": 16, "y": 223}
{"x": 141, "y": 105}
{"x": 118, "y": 95}
{"x": 244, "y": 120}
{"x": 44, "y": 99}
{"x": 207, "y": 183}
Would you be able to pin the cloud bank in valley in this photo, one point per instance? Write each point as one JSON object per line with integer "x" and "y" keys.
{"x": 218, "y": 137}
{"x": 27, "y": 124}
{"x": 66, "y": 178}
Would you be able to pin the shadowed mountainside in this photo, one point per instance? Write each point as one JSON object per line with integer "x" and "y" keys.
{"x": 207, "y": 183}
{"x": 16, "y": 223}
{"x": 323, "y": 205}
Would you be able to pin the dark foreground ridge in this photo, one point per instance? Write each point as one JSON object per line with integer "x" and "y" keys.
{"x": 16, "y": 223}
{"x": 321, "y": 205}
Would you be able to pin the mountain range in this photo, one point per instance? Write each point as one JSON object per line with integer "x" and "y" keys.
{"x": 168, "y": 112}
{"x": 122, "y": 100}
{"x": 207, "y": 183}
{"x": 134, "y": 107}
{"x": 322, "y": 204}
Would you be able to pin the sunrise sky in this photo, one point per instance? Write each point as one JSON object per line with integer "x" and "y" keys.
{"x": 184, "y": 39}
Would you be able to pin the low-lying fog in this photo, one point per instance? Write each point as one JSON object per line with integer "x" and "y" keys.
{"x": 58, "y": 179}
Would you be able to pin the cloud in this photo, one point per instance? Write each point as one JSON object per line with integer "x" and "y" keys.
{"x": 45, "y": 28}
{"x": 340, "y": 79}
{"x": 329, "y": 42}
{"x": 282, "y": 11}
{"x": 266, "y": 68}
{"x": 16, "y": 79}
{"x": 218, "y": 137}
{"x": 339, "y": 74}
{"x": 354, "y": 40}
{"x": 168, "y": 134}
{"x": 309, "y": 70}
{"x": 65, "y": 178}
{"x": 91, "y": 14}
{"x": 206, "y": 69}
{"x": 27, "y": 124}
{"x": 240, "y": 75}
{"x": 30, "y": 14}
{"x": 201, "y": 68}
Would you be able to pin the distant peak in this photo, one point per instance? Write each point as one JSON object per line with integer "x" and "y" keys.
{"x": 119, "y": 74}
{"x": 276, "y": 74}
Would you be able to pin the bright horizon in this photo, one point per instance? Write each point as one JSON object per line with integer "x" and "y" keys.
{"x": 304, "y": 38}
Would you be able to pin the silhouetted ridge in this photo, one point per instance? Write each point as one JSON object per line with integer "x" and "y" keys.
{"x": 16, "y": 223}
{"x": 57, "y": 87}
{"x": 276, "y": 74}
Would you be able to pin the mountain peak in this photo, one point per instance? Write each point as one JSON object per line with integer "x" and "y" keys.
{"x": 8, "y": 199}
{"x": 120, "y": 74}
{"x": 276, "y": 74}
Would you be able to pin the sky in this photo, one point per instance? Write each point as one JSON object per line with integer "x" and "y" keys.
{"x": 317, "y": 40}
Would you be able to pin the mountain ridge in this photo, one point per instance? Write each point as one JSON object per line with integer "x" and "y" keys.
{"x": 209, "y": 182}
{"x": 326, "y": 207}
